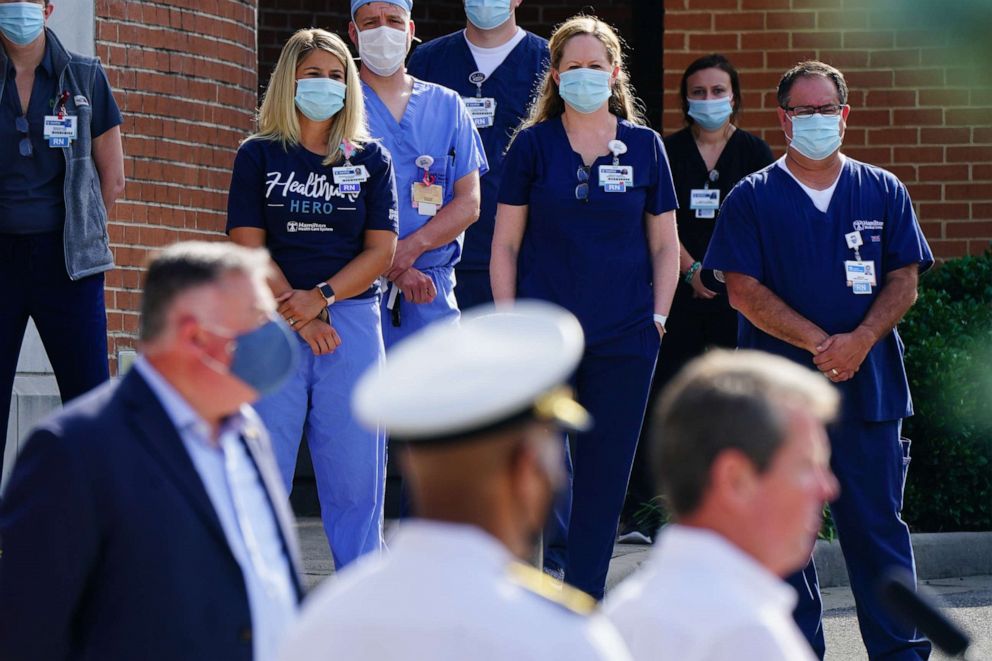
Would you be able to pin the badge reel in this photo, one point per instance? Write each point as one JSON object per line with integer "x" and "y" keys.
{"x": 616, "y": 178}
{"x": 705, "y": 201}
{"x": 426, "y": 195}
{"x": 349, "y": 178}
{"x": 481, "y": 109}
{"x": 60, "y": 129}
{"x": 860, "y": 275}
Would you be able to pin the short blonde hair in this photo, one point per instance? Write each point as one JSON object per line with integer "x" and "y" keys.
{"x": 278, "y": 119}
{"x": 549, "y": 103}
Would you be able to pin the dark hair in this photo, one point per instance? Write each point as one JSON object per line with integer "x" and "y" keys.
{"x": 805, "y": 70}
{"x": 728, "y": 401}
{"x": 190, "y": 265}
{"x": 711, "y": 61}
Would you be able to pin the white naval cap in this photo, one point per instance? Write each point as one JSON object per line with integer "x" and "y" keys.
{"x": 499, "y": 364}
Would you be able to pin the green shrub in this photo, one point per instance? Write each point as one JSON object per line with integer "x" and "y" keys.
{"x": 948, "y": 336}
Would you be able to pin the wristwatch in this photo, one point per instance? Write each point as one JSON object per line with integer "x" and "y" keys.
{"x": 326, "y": 291}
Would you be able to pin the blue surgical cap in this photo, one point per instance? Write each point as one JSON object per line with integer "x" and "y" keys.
{"x": 405, "y": 4}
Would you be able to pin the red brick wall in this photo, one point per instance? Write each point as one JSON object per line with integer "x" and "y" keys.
{"x": 183, "y": 73}
{"x": 918, "y": 108}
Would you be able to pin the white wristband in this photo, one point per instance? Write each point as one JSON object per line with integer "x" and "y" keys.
{"x": 661, "y": 319}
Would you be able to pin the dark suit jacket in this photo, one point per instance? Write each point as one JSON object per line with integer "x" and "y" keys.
{"x": 111, "y": 548}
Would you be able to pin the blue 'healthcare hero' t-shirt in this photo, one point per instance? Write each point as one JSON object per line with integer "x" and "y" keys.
{"x": 312, "y": 228}
{"x": 770, "y": 229}
{"x": 589, "y": 256}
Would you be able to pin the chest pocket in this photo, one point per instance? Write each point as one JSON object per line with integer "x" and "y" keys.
{"x": 443, "y": 172}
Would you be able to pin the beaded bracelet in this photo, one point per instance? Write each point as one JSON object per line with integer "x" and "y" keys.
{"x": 687, "y": 278}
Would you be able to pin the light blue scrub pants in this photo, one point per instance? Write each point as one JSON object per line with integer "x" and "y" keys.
{"x": 349, "y": 461}
{"x": 413, "y": 317}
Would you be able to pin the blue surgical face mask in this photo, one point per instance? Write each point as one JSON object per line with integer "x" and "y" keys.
{"x": 488, "y": 14}
{"x": 320, "y": 98}
{"x": 816, "y": 136}
{"x": 22, "y": 22}
{"x": 262, "y": 359}
{"x": 585, "y": 90}
{"x": 711, "y": 114}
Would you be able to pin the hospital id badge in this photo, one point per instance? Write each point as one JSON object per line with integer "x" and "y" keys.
{"x": 60, "y": 131}
{"x": 860, "y": 272}
{"x": 350, "y": 174}
{"x": 704, "y": 199}
{"x": 611, "y": 176}
{"x": 426, "y": 199}
{"x": 482, "y": 110}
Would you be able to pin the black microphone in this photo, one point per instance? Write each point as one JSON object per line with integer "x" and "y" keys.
{"x": 917, "y": 607}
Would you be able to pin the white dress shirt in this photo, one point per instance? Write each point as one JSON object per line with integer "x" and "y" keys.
{"x": 242, "y": 505}
{"x": 443, "y": 593}
{"x": 700, "y": 598}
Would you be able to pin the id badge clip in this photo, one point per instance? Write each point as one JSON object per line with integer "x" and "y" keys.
{"x": 616, "y": 178}
{"x": 60, "y": 129}
{"x": 427, "y": 196}
{"x": 349, "y": 178}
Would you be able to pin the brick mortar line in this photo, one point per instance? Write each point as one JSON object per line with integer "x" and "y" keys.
{"x": 193, "y": 12}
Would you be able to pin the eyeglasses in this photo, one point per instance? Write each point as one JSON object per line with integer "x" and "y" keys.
{"x": 24, "y": 146}
{"x": 582, "y": 190}
{"x": 808, "y": 111}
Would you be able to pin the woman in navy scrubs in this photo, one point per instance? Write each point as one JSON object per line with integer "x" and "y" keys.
{"x": 709, "y": 156}
{"x": 586, "y": 220}
{"x": 321, "y": 196}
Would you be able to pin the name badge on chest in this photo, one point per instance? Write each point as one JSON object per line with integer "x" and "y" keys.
{"x": 861, "y": 276}
{"x": 705, "y": 202}
{"x": 616, "y": 178}
{"x": 60, "y": 131}
{"x": 482, "y": 110}
{"x": 350, "y": 175}
{"x": 427, "y": 196}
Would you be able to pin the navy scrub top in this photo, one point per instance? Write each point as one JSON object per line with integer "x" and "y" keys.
{"x": 591, "y": 257}
{"x": 312, "y": 229}
{"x": 32, "y": 199}
{"x": 448, "y": 61}
{"x": 770, "y": 230}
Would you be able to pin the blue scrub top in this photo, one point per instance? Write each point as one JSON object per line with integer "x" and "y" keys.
{"x": 591, "y": 257}
{"x": 312, "y": 229}
{"x": 448, "y": 61}
{"x": 436, "y": 124}
{"x": 770, "y": 230}
{"x": 32, "y": 199}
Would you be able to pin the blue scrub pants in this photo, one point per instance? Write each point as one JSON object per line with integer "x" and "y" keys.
{"x": 474, "y": 288}
{"x": 349, "y": 461}
{"x": 413, "y": 316}
{"x": 612, "y": 382}
{"x": 870, "y": 461}
{"x": 70, "y": 316}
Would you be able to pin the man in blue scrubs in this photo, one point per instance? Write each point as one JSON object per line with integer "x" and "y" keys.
{"x": 494, "y": 65}
{"x": 438, "y": 159}
{"x": 61, "y": 169}
{"x": 822, "y": 254}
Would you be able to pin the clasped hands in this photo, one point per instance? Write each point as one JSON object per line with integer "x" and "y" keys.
{"x": 839, "y": 357}
{"x": 417, "y": 286}
{"x": 300, "y": 308}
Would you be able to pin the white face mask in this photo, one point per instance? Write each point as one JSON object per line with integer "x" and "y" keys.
{"x": 382, "y": 49}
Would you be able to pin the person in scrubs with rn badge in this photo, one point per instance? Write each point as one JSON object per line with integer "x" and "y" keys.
{"x": 587, "y": 220}
{"x": 438, "y": 157}
{"x": 319, "y": 194}
{"x": 822, "y": 256}
{"x": 495, "y": 66}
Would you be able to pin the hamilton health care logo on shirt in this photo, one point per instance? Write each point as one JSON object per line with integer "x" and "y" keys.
{"x": 872, "y": 226}
{"x": 309, "y": 198}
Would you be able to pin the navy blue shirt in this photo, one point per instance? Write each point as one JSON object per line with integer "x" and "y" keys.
{"x": 448, "y": 61}
{"x": 312, "y": 228}
{"x": 770, "y": 230}
{"x": 32, "y": 199}
{"x": 591, "y": 257}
